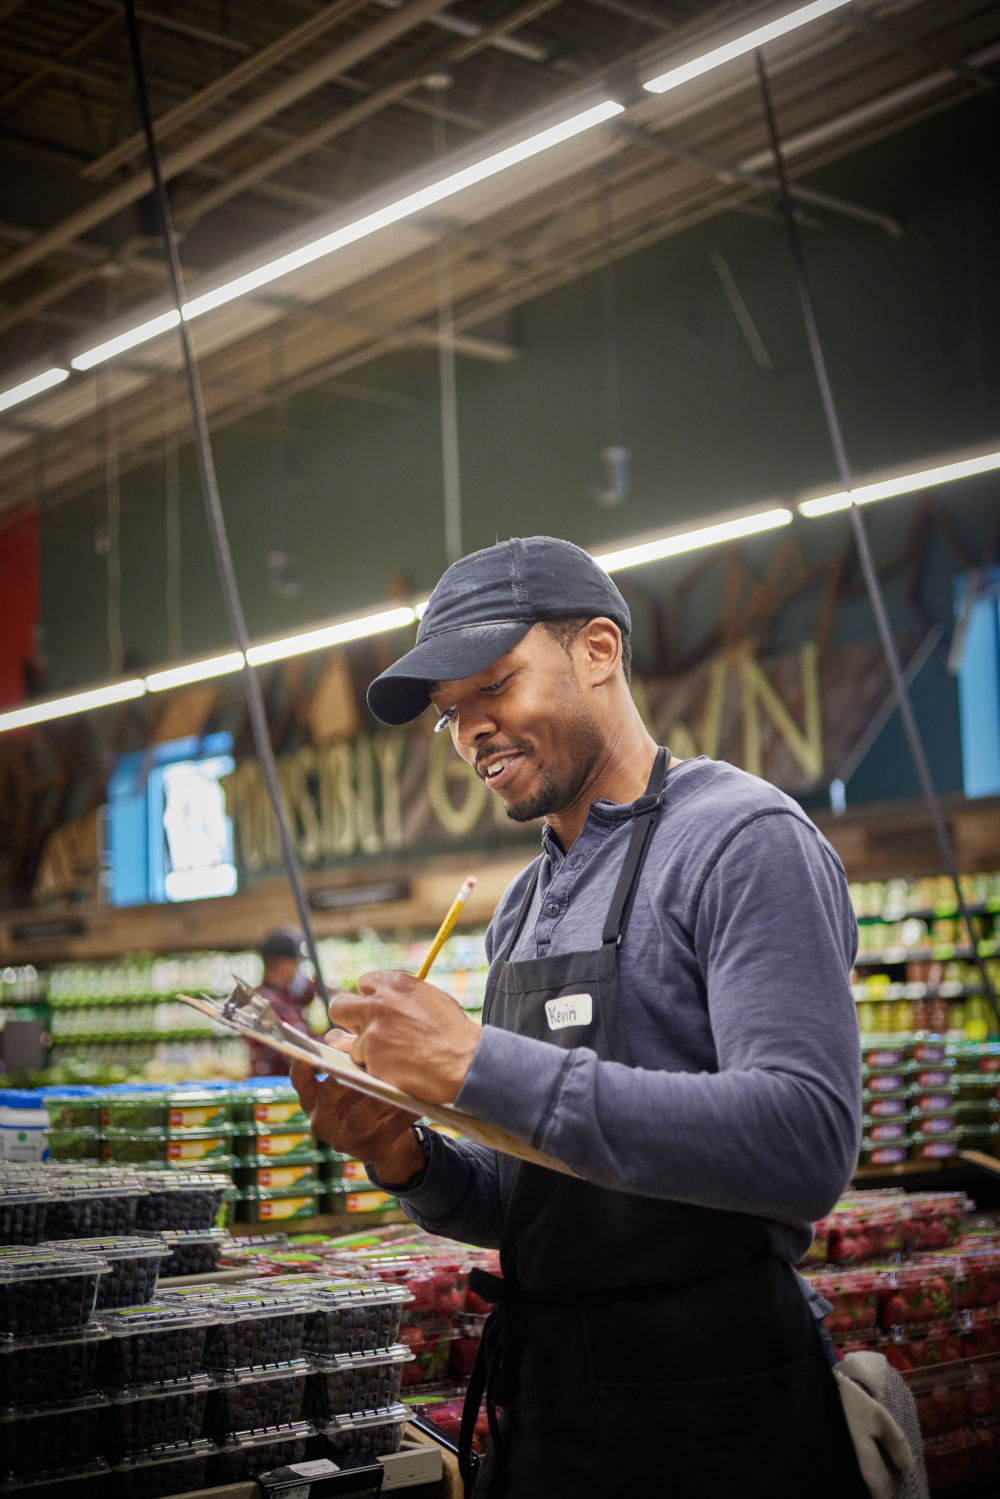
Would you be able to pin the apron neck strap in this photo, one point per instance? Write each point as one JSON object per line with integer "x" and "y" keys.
{"x": 522, "y": 913}
{"x": 645, "y": 812}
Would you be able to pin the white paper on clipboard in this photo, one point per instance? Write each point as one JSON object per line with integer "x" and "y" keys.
{"x": 315, "y": 1054}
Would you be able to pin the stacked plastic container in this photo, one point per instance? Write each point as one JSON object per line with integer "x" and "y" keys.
{"x": 925, "y": 1099}
{"x": 278, "y": 1170}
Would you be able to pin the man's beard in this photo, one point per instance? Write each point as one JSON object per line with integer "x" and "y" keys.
{"x": 561, "y": 783}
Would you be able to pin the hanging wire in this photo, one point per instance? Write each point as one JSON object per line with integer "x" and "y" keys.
{"x": 171, "y": 465}
{"x": 790, "y": 211}
{"x": 450, "y": 463}
{"x": 112, "y": 484}
{"x": 213, "y": 505}
{"x": 614, "y": 486}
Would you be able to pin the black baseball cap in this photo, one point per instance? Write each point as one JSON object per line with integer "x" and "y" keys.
{"x": 484, "y": 605}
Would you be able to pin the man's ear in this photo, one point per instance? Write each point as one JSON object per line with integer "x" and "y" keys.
{"x": 603, "y": 643}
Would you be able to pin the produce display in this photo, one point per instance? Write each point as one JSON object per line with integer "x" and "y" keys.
{"x": 152, "y": 1415}
{"x": 247, "y": 1452}
{"x": 147, "y": 1344}
{"x": 375, "y": 1432}
{"x": 44, "y": 1291}
{"x": 251, "y": 1330}
{"x": 355, "y": 1381}
{"x": 352, "y": 1318}
{"x": 193, "y": 1251}
{"x": 133, "y": 1267}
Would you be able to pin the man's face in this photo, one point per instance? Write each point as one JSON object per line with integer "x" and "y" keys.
{"x": 280, "y": 972}
{"x": 526, "y": 725}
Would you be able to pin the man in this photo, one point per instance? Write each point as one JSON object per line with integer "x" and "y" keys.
{"x": 289, "y": 991}
{"x": 704, "y": 1083}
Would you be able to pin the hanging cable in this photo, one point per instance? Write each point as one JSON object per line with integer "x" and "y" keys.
{"x": 451, "y": 469}
{"x": 171, "y": 466}
{"x": 860, "y": 530}
{"x": 213, "y": 505}
{"x": 113, "y": 510}
{"x": 614, "y": 486}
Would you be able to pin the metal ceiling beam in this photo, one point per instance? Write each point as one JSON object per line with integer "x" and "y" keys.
{"x": 44, "y": 68}
{"x": 349, "y": 52}
{"x": 884, "y": 33}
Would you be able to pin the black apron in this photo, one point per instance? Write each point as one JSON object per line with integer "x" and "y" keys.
{"x": 637, "y": 1341}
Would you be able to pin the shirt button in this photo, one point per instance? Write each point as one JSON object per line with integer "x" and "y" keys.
{"x": 552, "y": 909}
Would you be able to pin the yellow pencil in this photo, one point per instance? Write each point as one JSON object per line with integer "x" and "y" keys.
{"x": 444, "y": 930}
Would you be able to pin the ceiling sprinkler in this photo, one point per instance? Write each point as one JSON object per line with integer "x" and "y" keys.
{"x": 615, "y": 484}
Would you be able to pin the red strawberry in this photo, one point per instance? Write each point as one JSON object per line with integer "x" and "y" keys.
{"x": 897, "y": 1358}
{"x": 895, "y": 1310}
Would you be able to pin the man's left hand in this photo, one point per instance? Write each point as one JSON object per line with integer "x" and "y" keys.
{"x": 408, "y": 1033}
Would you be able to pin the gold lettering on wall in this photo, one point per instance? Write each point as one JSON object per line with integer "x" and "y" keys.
{"x": 446, "y": 766}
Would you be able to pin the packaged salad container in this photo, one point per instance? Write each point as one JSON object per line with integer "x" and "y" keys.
{"x": 356, "y": 1381}
{"x": 918, "y": 1294}
{"x": 188, "y": 1201}
{"x": 155, "y": 1414}
{"x": 32, "y": 1367}
{"x": 270, "y": 1108}
{"x": 246, "y": 1399}
{"x": 175, "y": 1469}
{"x": 60, "y": 1434}
{"x": 974, "y": 1087}
{"x": 151, "y": 1343}
{"x": 279, "y": 1145}
{"x": 352, "y": 1318}
{"x": 133, "y": 1267}
{"x": 373, "y": 1432}
{"x": 78, "y": 1144}
{"x": 181, "y": 1145}
{"x": 193, "y": 1252}
{"x": 344, "y": 1197}
{"x": 264, "y": 1171}
{"x": 48, "y": 1291}
{"x": 173, "y": 1111}
{"x": 245, "y": 1453}
{"x": 72, "y": 1108}
{"x": 928, "y": 1051}
{"x": 937, "y": 1147}
{"x": 276, "y": 1204}
{"x": 262, "y": 1329}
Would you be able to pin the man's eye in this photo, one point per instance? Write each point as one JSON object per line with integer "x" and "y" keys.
{"x": 495, "y": 686}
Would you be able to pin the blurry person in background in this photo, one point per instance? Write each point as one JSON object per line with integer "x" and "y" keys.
{"x": 289, "y": 990}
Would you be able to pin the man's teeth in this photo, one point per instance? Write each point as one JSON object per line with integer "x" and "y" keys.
{"x": 497, "y": 767}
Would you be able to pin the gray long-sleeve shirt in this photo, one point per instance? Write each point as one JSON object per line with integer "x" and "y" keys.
{"x": 734, "y": 986}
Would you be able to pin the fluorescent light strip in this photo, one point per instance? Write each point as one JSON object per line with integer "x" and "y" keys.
{"x": 76, "y": 702}
{"x": 741, "y": 45}
{"x": 18, "y": 393}
{"x": 315, "y": 640}
{"x": 905, "y": 484}
{"x": 381, "y": 219}
{"x": 194, "y": 671}
{"x": 689, "y": 541}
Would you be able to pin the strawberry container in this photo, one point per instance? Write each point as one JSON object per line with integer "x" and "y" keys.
{"x": 853, "y": 1296}
{"x": 151, "y": 1415}
{"x": 961, "y": 1457}
{"x": 430, "y": 1341}
{"x": 978, "y": 1281}
{"x": 58, "y": 1434}
{"x": 917, "y": 1294}
{"x": 860, "y": 1340}
{"x": 933, "y": 1220}
{"x": 868, "y": 1231}
{"x": 245, "y": 1453}
{"x": 246, "y": 1399}
{"x": 375, "y": 1433}
{"x": 356, "y": 1382}
{"x": 175, "y": 1469}
{"x": 957, "y": 1396}
{"x": 255, "y": 1330}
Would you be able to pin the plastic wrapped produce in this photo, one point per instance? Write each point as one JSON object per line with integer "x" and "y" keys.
{"x": 31, "y": 1368}
{"x": 277, "y": 1204}
{"x": 246, "y": 1399}
{"x": 133, "y": 1267}
{"x": 60, "y": 1434}
{"x": 977, "y": 1283}
{"x": 155, "y": 1414}
{"x": 263, "y": 1171}
{"x": 447, "y": 1417}
{"x": 150, "y": 1343}
{"x": 185, "y": 1202}
{"x": 853, "y": 1296}
{"x": 270, "y": 1108}
{"x": 72, "y": 1108}
{"x": 430, "y": 1340}
{"x": 933, "y": 1220}
{"x": 247, "y": 1452}
{"x": 185, "y": 1110}
{"x": 79, "y": 1144}
{"x": 355, "y": 1382}
{"x": 48, "y": 1292}
{"x": 917, "y": 1294}
{"x": 255, "y": 1330}
{"x": 193, "y": 1253}
{"x": 865, "y": 1232}
{"x": 352, "y": 1318}
{"x": 374, "y": 1432}
{"x": 177, "y": 1469}
{"x": 179, "y": 1146}
{"x": 954, "y": 1396}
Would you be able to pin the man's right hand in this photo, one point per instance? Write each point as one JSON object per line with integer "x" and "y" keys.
{"x": 359, "y": 1126}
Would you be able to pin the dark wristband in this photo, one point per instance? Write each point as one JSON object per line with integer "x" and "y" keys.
{"x": 400, "y": 1189}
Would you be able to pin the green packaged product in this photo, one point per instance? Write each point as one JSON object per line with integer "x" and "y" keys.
{"x": 265, "y": 1171}
{"x": 273, "y": 1204}
{"x": 269, "y": 1108}
{"x": 70, "y": 1111}
{"x": 193, "y": 1146}
{"x": 273, "y": 1144}
{"x": 185, "y": 1110}
{"x": 74, "y": 1144}
{"x": 344, "y": 1197}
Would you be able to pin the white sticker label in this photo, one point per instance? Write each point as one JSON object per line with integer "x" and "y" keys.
{"x": 571, "y": 1009}
{"x": 321, "y": 1468}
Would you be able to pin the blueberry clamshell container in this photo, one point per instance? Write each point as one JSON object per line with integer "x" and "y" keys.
{"x": 193, "y": 1251}
{"x": 134, "y": 1265}
{"x": 55, "y": 1434}
{"x": 183, "y": 1203}
{"x": 155, "y": 1415}
{"x": 245, "y": 1453}
{"x": 352, "y": 1319}
{"x": 43, "y": 1291}
{"x": 355, "y": 1382}
{"x": 90, "y": 1212}
{"x": 273, "y": 1395}
{"x": 254, "y": 1330}
{"x": 151, "y": 1343}
{"x": 178, "y": 1468}
{"x": 32, "y": 1367}
{"x": 22, "y": 1215}
{"x": 374, "y": 1432}
{"x": 89, "y": 1481}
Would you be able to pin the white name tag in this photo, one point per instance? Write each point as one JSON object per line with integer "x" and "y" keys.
{"x": 571, "y": 1009}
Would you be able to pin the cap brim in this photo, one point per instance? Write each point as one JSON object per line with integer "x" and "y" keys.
{"x": 400, "y": 694}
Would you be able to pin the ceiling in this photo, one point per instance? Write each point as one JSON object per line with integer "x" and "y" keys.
{"x": 284, "y": 119}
